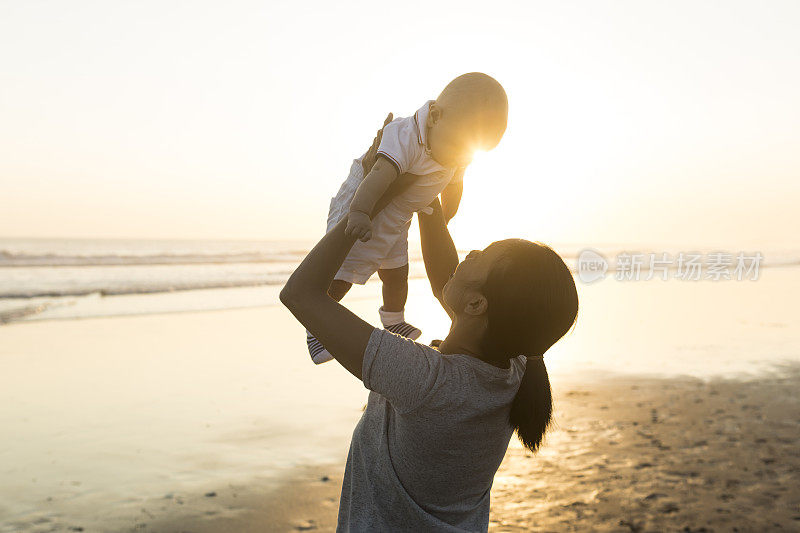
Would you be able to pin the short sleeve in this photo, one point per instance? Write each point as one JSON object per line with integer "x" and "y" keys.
{"x": 401, "y": 370}
{"x": 398, "y": 145}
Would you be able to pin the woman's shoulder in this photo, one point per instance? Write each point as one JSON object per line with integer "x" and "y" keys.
{"x": 411, "y": 374}
{"x": 516, "y": 365}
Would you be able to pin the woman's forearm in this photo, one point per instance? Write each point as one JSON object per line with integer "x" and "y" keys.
{"x": 342, "y": 333}
{"x": 314, "y": 274}
{"x": 451, "y": 198}
{"x": 438, "y": 250}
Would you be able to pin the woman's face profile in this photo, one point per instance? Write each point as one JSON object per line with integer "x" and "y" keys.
{"x": 470, "y": 275}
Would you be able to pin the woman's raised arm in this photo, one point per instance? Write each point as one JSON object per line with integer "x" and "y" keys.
{"x": 438, "y": 251}
{"x": 342, "y": 333}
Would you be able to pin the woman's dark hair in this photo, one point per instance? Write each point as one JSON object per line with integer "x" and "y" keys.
{"x": 532, "y": 303}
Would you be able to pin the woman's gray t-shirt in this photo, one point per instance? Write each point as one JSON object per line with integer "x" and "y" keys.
{"x": 434, "y": 432}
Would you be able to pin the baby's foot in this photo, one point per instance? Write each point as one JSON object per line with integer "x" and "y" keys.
{"x": 317, "y": 351}
{"x": 404, "y": 329}
{"x": 395, "y": 322}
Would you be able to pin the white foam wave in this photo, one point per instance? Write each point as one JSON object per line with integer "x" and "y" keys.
{"x": 9, "y": 259}
{"x": 152, "y": 288}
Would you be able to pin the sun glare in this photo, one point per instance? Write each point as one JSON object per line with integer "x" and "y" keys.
{"x": 505, "y": 197}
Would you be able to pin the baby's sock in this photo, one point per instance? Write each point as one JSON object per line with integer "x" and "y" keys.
{"x": 316, "y": 350}
{"x": 395, "y": 322}
{"x": 391, "y": 318}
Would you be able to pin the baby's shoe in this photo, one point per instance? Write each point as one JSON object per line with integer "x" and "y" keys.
{"x": 395, "y": 322}
{"x": 317, "y": 351}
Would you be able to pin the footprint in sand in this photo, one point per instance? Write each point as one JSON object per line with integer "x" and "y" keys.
{"x": 306, "y": 526}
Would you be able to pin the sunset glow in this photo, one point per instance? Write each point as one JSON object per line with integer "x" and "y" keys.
{"x": 632, "y": 122}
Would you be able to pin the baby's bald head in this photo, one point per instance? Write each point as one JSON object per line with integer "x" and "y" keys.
{"x": 481, "y": 102}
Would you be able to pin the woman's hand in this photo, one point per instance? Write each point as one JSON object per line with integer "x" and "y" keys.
{"x": 359, "y": 226}
{"x": 369, "y": 158}
{"x": 400, "y": 184}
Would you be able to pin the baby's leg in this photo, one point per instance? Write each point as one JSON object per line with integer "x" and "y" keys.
{"x": 395, "y": 288}
{"x": 338, "y": 289}
{"x": 395, "y": 292}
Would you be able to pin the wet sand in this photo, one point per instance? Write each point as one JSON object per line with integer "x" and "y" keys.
{"x": 627, "y": 454}
{"x": 112, "y": 424}
{"x": 306, "y": 499}
{"x": 661, "y": 455}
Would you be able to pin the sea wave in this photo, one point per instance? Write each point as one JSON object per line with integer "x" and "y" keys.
{"x": 10, "y": 259}
{"x": 142, "y": 289}
{"x": 19, "y": 313}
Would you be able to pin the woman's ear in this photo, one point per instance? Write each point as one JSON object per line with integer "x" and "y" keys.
{"x": 434, "y": 115}
{"x": 477, "y": 305}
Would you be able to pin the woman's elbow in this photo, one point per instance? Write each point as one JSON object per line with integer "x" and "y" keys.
{"x": 288, "y": 296}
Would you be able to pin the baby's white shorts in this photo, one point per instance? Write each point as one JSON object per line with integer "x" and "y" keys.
{"x": 388, "y": 247}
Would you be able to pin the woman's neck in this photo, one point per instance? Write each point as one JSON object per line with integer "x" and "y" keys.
{"x": 465, "y": 338}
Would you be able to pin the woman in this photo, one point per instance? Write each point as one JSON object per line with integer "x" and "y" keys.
{"x": 438, "y": 422}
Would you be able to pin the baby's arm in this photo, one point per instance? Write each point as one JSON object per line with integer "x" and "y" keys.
{"x": 451, "y": 197}
{"x": 373, "y": 186}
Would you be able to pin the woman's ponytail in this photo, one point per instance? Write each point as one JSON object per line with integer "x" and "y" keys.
{"x": 532, "y": 302}
{"x": 532, "y": 408}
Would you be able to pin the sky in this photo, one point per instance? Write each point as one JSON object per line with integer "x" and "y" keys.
{"x": 629, "y": 121}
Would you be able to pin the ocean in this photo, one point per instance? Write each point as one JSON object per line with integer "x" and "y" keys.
{"x": 45, "y": 279}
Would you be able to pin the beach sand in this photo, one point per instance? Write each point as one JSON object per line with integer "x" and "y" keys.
{"x": 648, "y": 454}
{"x": 105, "y": 421}
{"x": 628, "y": 454}
{"x": 216, "y": 422}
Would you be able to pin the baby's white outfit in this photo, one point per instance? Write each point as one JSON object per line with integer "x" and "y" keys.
{"x": 404, "y": 144}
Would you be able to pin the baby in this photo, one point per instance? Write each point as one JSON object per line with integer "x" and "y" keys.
{"x": 434, "y": 146}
